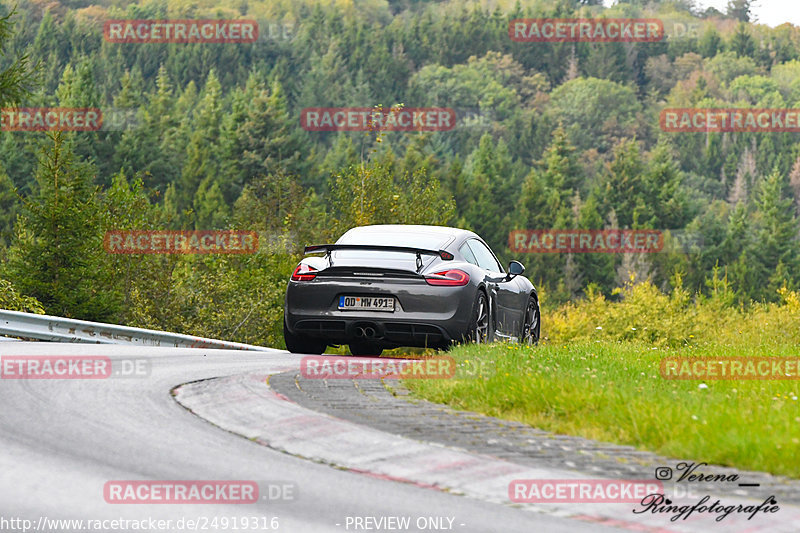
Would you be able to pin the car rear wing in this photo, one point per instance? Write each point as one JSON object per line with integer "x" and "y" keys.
{"x": 419, "y": 252}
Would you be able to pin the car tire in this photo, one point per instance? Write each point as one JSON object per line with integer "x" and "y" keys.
{"x": 366, "y": 349}
{"x": 298, "y": 344}
{"x": 481, "y": 330}
{"x": 532, "y": 325}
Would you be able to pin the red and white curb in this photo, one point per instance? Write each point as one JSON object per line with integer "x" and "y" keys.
{"x": 244, "y": 404}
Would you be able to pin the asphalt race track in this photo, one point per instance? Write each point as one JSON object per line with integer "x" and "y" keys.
{"x": 63, "y": 440}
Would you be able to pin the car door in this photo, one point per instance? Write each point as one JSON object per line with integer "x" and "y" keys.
{"x": 505, "y": 292}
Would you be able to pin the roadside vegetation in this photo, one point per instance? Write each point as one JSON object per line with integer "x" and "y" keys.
{"x": 551, "y": 135}
{"x": 597, "y": 375}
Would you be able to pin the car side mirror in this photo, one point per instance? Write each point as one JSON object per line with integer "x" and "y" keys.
{"x": 515, "y": 268}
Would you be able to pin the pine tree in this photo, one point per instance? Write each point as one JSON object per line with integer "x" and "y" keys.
{"x": 266, "y": 141}
{"x": 9, "y": 207}
{"x": 597, "y": 268}
{"x": 776, "y": 246}
{"x": 710, "y": 43}
{"x": 666, "y": 204}
{"x": 17, "y": 79}
{"x": 211, "y": 211}
{"x": 794, "y": 183}
{"x": 203, "y": 150}
{"x": 342, "y": 154}
{"x": 78, "y": 90}
{"x": 561, "y": 170}
{"x": 489, "y": 170}
{"x": 623, "y": 187}
{"x": 57, "y": 255}
{"x": 742, "y": 42}
{"x": 740, "y": 10}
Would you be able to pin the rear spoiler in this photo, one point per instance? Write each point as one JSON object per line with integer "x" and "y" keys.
{"x": 419, "y": 252}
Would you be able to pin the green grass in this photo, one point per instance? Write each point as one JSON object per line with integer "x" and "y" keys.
{"x": 612, "y": 391}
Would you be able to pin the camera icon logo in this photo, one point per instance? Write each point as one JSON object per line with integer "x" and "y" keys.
{"x": 663, "y": 473}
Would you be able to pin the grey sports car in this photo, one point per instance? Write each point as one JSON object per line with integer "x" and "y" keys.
{"x": 387, "y": 286}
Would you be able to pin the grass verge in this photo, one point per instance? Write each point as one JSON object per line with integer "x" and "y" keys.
{"x": 613, "y": 391}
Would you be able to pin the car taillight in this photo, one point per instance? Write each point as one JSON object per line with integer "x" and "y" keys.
{"x": 303, "y": 273}
{"x": 450, "y": 278}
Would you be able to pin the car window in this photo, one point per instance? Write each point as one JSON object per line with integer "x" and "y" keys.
{"x": 430, "y": 241}
{"x": 468, "y": 255}
{"x": 412, "y": 239}
{"x": 484, "y": 256}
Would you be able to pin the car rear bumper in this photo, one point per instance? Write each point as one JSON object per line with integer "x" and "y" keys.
{"x": 424, "y": 315}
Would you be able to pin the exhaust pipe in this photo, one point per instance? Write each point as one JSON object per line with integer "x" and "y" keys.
{"x": 360, "y": 332}
{"x": 369, "y": 332}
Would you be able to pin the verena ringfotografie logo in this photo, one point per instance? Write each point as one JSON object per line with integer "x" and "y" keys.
{"x": 554, "y": 30}
{"x": 610, "y": 241}
{"x": 180, "y": 492}
{"x": 582, "y": 490}
{"x": 181, "y": 242}
{"x": 180, "y": 31}
{"x": 333, "y": 367}
{"x": 724, "y": 120}
{"x": 731, "y": 368}
{"x": 370, "y": 119}
{"x": 71, "y": 367}
{"x": 51, "y": 119}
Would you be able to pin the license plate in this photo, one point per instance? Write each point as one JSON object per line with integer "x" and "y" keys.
{"x": 369, "y": 303}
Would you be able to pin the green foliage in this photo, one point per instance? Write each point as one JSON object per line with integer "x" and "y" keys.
{"x": 373, "y": 194}
{"x": 12, "y": 300}
{"x": 203, "y": 157}
{"x": 57, "y": 255}
{"x": 605, "y": 390}
{"x": 8, "y": 208}
{"x": 263, "y": 138}
{"x": 17, "y": 79}
{"x": 556, "y": 135}
{"x": 595, "y": 112}
{"x": 235, "y": 298}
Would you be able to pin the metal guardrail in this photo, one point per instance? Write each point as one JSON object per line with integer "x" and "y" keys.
{"x": 53, "y": 328}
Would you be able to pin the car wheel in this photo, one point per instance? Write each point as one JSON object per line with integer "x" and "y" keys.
{"x": 480, "y": 329}
{"x": 297, "y": 344}
{"x": 533, "y": 322}
{"x": 365, "y": 348}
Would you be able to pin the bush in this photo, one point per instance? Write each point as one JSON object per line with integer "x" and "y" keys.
{"x": 645, "y": 314}
{"x": 11, "y": 300}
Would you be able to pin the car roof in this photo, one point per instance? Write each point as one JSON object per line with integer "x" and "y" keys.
{"x": 404, "y": 228}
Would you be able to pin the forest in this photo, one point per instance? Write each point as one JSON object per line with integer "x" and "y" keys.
{"x": 561, "y": 135}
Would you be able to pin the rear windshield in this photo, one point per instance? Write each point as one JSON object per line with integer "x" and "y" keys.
{"x": 428, "y": 241}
